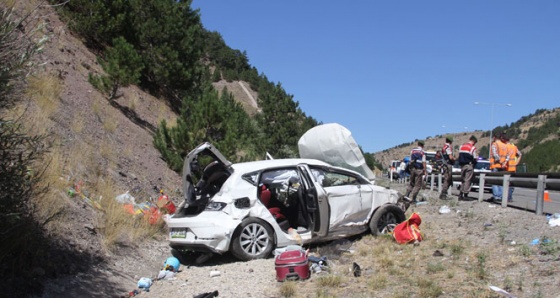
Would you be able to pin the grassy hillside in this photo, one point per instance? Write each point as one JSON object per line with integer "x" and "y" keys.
{"x": 536, "y": 135}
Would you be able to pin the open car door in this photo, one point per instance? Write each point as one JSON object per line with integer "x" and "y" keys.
{"x": 191, "y": 166}
{"x": 316, "y": 202}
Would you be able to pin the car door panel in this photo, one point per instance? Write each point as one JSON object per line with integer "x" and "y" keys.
{"x": 316, "y": 202}
{"x": 345, "y": 204}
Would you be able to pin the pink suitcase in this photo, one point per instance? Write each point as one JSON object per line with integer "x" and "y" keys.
{"x": 292, "y": 265}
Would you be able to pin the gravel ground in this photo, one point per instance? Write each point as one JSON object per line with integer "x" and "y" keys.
{"x": 485, "y": 225}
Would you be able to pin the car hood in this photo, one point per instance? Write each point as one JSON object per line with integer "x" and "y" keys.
{"x": 334, "y": 144}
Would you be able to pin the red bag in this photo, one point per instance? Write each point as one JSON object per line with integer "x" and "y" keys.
{"x": 292, "y": 265}
{"x": 165, "y": 204}
{"x": 408, "y": 231}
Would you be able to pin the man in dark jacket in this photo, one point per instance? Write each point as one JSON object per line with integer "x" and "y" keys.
{"x": 467, "y": 160}
{"x": 417, "y": 171}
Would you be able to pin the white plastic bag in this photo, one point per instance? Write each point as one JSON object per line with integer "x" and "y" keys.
{"x": 126, "y": 198}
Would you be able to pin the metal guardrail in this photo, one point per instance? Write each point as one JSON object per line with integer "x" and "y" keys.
{"x": 538, "y": 181}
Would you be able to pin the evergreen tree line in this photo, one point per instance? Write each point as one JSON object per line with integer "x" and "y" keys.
{"x": 161, "y": 46}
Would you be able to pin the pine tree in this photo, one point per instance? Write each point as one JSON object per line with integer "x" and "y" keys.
{"x": 123, "y": 66}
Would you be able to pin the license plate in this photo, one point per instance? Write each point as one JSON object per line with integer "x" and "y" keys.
{"x": 178, "y": 233}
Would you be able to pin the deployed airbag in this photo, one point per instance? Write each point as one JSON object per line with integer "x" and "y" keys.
{"x": 334, "y": 144}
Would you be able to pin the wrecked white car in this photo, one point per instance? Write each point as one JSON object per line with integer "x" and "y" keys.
{"x": 252, "y": 208}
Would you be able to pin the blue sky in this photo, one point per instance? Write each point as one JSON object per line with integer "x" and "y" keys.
{"x": 396, "y": 71}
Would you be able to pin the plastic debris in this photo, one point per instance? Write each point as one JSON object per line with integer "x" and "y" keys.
{"x": 214, "y": 273}
{"x": 501, "y": 292}
{"x": 554, "y": 222}
{"x": 537, "y": 241}
{"x": 172, "y": 264}
{"x": 356, "y": 269}
{"x": 166, "y": 274}
{"x": 125, "y": 198}
{"x": 145, "y": 283}
{"x": 444, "y": 209}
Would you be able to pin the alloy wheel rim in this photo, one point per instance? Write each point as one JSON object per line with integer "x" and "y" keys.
{"x": 386, "y": 219}
{"x": 254, "y": 239}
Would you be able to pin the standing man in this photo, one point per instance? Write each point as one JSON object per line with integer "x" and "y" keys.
{"x": 417, "y": 171}
{"x": 467, "y": 160}
{"x": 402, "y": 170}
{"x": 447, "y": 166}
{"x": 514, "y": 158}
{"x": 499, "y": 159}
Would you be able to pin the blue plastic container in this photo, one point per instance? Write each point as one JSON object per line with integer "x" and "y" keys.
{"x": 172, "y": 262}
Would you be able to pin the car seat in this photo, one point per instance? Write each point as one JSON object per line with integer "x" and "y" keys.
{"x": 266, "y": 199}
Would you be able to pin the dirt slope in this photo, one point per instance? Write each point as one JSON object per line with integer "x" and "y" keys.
{"x": 101, "y": 141}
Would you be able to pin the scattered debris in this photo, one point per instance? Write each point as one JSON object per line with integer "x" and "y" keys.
{"x": 145, "y": 283}
{"x": 125, "y": 198}
{"x": 207, "y": 295}
{"x": 444, "y": 209}
{"x": 554, "y": 220}
{"x": 215, "y": 273}
{"x": 166, "y": 275}
{"x": 501, "y": 292}
{"x": 356, "y": 270}
{"x": 172, "y": 264}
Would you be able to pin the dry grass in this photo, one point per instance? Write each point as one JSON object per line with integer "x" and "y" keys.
{"x": 288, "y": 289}
{"x": 78, "y": 124}
{"x": 51, "y": 206}
{"x": 45, "y": 90}
{"x": 79, "y": 161}
{"x": 118, "y": 226}
{"x": 110, "y": 122}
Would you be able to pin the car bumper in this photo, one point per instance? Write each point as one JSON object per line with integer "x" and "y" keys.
{"x": 208, "y": 231}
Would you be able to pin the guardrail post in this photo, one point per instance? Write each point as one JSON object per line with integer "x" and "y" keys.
{"x": 505, "y": 190}
{"x": 481, "y": 187}
{"x": 432, "y": 178}
{"x": 540, "y": 194}
{"x": 439, "y": 178}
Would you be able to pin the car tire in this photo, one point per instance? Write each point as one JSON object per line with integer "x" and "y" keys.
{"x": 384, "y": 216}
{"x": 253, "y": 239}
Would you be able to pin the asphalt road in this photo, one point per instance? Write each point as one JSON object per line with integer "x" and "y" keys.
{"x": 525, "y": 198}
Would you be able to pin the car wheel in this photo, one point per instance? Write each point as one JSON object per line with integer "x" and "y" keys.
{"x": 385, "y": 216}
{"x": 254, "y": 239}
{"x": 188, "y": 257}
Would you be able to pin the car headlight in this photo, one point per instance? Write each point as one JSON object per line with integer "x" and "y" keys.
{"x": 215, "y": 206}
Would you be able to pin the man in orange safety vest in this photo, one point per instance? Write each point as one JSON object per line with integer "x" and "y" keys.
{"x": 499, "y": 160}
